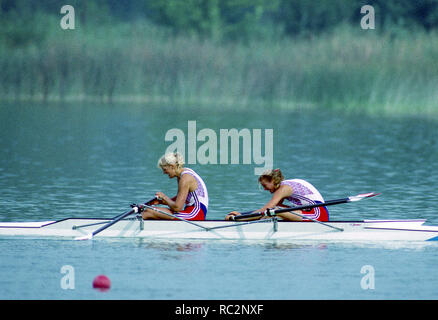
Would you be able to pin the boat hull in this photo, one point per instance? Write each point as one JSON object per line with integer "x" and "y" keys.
{"x": 367, "y": 230}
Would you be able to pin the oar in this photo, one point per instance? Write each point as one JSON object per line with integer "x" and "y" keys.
{"x": 273, "y": 212}
{"x": 135, "y": 209}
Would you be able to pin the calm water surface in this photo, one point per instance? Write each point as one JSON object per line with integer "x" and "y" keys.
{"x": 61, "y": 161}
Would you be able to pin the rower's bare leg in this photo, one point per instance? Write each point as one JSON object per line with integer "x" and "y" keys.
{"x": 289, "y": 216}
{"x": 154, "y": 215}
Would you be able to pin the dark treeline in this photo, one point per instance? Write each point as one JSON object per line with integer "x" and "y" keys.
{"x": 224, "y": 19}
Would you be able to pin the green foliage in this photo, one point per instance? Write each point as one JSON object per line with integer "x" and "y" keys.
{"x": 19, "y": 29}
{"x": 347, "y": 69}
{"x": 312, "y": 17}
{"x": 248, "y": 53}
{"x": 406, "y": 13}
{"x": 231, "y": 20}
{"x": 215, "y": 19}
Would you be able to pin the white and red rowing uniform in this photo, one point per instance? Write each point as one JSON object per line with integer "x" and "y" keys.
{"x": 303, "y": 193}
{"x": 197, "y": 201}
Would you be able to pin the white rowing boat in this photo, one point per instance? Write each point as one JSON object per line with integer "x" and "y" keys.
{"x": 266, "y": 229}
{"x": 269, "y": 228}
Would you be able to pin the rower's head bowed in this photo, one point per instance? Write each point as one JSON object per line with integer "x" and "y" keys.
{"x": 271, "y": 179}
{"x": 172, "y": 164}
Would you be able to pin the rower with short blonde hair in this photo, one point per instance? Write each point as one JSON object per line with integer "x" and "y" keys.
{"x": 172, "y": 158}
{"x": 191, "y": 201}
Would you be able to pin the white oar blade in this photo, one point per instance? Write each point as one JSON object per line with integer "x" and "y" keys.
{"x": 363, "y": 196}
{"x": 87, "y": 237}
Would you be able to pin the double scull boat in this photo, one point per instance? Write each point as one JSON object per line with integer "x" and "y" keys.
{"x": 365, "y": 230}
{"x": 131, "y": 225}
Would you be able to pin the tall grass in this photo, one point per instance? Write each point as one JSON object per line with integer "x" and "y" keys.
{"x": 349, "y": 69}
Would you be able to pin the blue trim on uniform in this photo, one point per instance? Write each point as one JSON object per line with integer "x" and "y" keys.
{"x": 328, "y": 213}
{"x": 204, "y": 209}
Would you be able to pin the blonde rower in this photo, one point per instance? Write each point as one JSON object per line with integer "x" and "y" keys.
{"x": 296, "y": 191}
{"x": 191, "y": 201}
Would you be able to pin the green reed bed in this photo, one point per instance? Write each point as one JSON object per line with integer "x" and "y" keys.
{"x": 348, "y": 69}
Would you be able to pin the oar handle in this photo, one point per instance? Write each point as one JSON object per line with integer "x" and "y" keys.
{"x": 134, "y": 205}
{"x": 140, "y": 207}
{"x": 150, "y": 201}
{"x": 246, "y": 215}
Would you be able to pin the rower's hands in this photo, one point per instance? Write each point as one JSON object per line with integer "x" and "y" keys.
{"x": 232, "y": 214}
{"x": 162, "y": 198}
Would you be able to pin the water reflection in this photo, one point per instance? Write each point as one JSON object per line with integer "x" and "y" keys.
{"x": 169, "y": 245}
{"x": 172, "y": 247}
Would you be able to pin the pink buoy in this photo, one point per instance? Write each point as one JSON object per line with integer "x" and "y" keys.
{"x": 102, "y": 283}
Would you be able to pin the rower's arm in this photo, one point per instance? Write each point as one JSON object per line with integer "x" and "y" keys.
{"x": 277, "y": 198}
{"x": 183, "y": 190}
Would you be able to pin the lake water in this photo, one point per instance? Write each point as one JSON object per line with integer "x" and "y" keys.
{"x": 88, "y": 160}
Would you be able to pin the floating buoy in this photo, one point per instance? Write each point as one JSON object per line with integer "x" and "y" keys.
{"x": 101, "y": 283}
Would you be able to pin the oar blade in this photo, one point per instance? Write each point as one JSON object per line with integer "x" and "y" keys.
{"x": 363, "y": 196}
